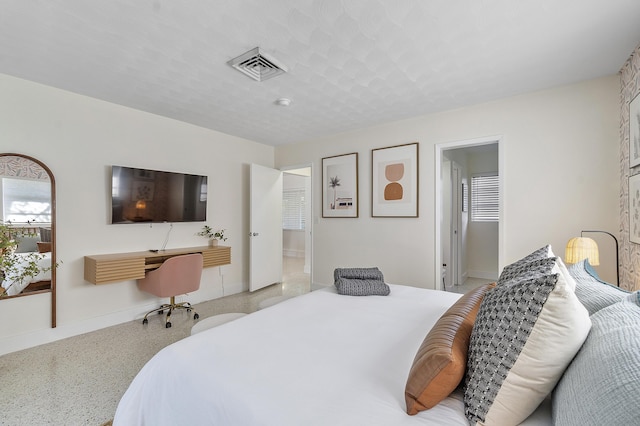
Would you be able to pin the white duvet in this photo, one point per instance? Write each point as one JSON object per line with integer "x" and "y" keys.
{"x": 317, "y": 359}
{"x": 14, "y": 287}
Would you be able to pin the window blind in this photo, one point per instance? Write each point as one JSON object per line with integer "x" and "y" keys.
{"x": 26, "y": 200}
{"x": 485, "y": 198}
{"x": 293, "y": 209}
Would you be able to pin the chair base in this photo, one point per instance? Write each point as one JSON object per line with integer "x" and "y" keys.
{"x": 170, "y": 307}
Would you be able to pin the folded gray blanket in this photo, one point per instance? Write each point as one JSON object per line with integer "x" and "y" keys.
{"x": 360, "y": 282}
{"x": 358, "y": 287}
{"x": 358, "y": 273}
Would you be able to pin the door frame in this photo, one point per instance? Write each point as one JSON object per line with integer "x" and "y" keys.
{"x": 310, "y": 220}
{"x": 455, "y": 255}
{"x": 439, "y": 149}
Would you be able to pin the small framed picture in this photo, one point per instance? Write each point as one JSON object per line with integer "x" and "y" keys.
{"x": 634, "y": 209}
{"x": 394, "y": 181}
{"x": 340, "y": 186}
{"x": 143, "y": 174}
{"x": 634, "y": 132}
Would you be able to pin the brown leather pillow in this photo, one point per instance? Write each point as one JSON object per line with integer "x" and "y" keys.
{"x": 44, "y": 247}
{"x": 440, "y": 363}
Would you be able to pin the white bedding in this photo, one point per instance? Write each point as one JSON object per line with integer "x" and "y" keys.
{"x": 14, "y": 287}
{"x": 317, "y": 359}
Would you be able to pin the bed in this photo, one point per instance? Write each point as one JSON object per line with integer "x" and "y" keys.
{"x": 317, "y": 359}
{"x": 12, "y": 286}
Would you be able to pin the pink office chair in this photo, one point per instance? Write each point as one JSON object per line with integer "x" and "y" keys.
{"x": 177, "y": 275}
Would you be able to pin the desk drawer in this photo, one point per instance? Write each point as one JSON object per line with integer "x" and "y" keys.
{"x": 216, "y": 256}
{"x": 109, "y": 271}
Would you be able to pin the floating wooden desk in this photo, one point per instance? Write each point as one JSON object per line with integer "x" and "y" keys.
{"x": 110, "y": 268}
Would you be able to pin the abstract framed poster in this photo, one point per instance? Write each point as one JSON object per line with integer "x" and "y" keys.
{"x": 394, "y": 181}
{"x": 634, "y": 132}
{"x": 142, "y": 191}
{"x": 340, "y": 186}
{"x": 634, "y": 209}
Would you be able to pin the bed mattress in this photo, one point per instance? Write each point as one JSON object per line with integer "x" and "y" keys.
{"x": 13, "y": 286}
{"x": 317, "y": 359}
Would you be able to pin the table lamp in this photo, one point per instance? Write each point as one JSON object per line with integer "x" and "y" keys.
{"x": 580, "y": 248}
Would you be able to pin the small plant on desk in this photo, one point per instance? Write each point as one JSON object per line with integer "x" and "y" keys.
{"x": 211, "y": 235}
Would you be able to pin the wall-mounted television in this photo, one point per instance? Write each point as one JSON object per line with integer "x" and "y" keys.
{"x": 142, "y": 195}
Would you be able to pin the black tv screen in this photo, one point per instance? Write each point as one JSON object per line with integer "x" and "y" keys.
{"x": 142, "y": 195}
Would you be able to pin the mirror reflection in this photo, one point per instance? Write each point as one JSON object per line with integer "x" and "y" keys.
{"x": 27, "y": 200}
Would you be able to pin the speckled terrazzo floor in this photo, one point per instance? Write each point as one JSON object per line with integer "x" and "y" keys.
{"x": 469, "y": 284}
{"x": 79, "y": 380}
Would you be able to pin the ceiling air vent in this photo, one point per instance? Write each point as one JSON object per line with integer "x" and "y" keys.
{"x": 258, "y": 65}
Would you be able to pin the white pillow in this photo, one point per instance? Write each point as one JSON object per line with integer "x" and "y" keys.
{"x": 527, "y": 331}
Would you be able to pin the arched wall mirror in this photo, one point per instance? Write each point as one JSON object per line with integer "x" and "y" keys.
{"x": 27, "y": 229}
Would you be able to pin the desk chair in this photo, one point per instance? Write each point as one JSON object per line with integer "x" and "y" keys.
{"x": 177, "y": 275}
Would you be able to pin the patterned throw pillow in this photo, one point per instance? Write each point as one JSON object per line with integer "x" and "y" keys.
{"x": 527, "y": 331}
{"x": 541, "y": 253}
{"x": 519, "y": 270}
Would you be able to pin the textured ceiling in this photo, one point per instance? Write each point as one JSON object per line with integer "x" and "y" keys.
{"x": 352, "y": 63}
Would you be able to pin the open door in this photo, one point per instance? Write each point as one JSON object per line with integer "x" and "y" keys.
{"x": 265, "y": 227}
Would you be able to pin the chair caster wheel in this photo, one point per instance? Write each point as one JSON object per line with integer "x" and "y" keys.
{"x": 160, "y": 312}
{"x": 145, "y": 321}
{"x": 168, "y": 325}
{"x": 196, "y": 316}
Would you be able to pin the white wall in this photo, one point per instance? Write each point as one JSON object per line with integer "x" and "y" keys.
{"x": 561, "y": 175}
{"x": 79, "y": 138}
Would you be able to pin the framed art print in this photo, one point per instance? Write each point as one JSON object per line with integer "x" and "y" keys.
{"x": 634, "y": 209}
{"x": 142, "y": 191}
{"x": 394, "y": 181}
{"x": 340, "y": 186}
{"x": 634, "y": 132}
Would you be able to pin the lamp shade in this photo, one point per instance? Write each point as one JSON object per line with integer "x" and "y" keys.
{"x": 581, "y": 248}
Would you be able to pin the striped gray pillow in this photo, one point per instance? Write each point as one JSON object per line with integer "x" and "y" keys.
{"x": 602, "y": 384}
{"x": 592, "y": 292}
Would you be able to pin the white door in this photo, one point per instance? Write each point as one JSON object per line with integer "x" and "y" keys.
{"x": 265, "y": 227}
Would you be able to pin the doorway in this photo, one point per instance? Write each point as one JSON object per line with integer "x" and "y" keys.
{"x": 296, "y": 230}
{"x": 468, "y": 250}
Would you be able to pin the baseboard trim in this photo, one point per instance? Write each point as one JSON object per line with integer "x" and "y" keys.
{"x": 485, "y": 275}
{"x": 40, "y": 337}
{"x": 293, "y": 253}
{"x": 234, "y": 288}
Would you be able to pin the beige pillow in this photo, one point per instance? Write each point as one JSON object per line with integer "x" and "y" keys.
{"x": 440, "y": 363}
